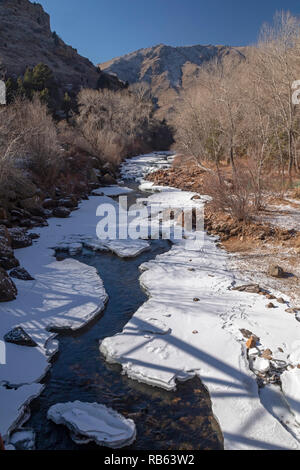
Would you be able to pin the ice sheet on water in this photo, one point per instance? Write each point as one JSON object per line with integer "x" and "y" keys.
{"x": 94, "y": 422}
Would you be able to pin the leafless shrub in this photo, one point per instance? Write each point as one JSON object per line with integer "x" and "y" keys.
{"x": 28, "y": 141}
{"x": 112, "y": 122}
{"x": 234, "y": 196}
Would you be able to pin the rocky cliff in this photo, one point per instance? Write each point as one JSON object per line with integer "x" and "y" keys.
{"x": 26, "y": 39}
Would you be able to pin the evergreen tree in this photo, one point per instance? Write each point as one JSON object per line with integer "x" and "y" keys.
{"x": 45, "y": 96}
{"x": 67, "y": 105}
{"x": 42, "y": 77}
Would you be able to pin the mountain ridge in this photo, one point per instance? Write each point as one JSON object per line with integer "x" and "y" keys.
{"x": 168, "y": 69}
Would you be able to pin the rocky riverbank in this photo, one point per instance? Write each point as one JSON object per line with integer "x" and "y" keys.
{"x": 272, "y": 237}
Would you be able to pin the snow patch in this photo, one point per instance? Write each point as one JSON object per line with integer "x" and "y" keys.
{"x": 94, "y": 422}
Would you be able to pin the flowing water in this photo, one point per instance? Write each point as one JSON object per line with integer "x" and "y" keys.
{"x": 180, "y": 420}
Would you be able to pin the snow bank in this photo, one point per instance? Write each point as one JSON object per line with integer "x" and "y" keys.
{"x": 113, "y": 191}
{"x": 203, "y": 338}
{"x": 122, "y": 248}
{"x": 291, "y": 387}
{"x": 138, "y": 167}
{"x": 94, "y": 422}
{"x": 64, "y": 295}
{"x": 13, "y": 406}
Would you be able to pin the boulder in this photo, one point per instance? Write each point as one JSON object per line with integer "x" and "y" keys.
{"x": 19, "y": 238}
{"x": 6, "y": 251}
{"x": 70, "y": 202}
{"x": 32, "y": 203}
{"x": 270, "y": 305}
{"x": 26, "y": 190}
{"x": 50, "y": 203}
{"x": 276, "y": 271}
{"x": 61, "y": 212}
{"x": 8, "y": 290}
{"x": 39, "y": 221}
{"x": 267, "y": 354}
{"x": 22, "y": 274}
{"x": 19, "y": 336}
{"x": 250, "y": 288}
{"x": 270, "y": 296}
{"x": 246, "y": 333}
{"x": 108, "y": 180}
{"x": 252, "y": 341}
{"x": 9, "y": 262}
{"x": 38, "y": 212}
{"x": 292, "y": 310}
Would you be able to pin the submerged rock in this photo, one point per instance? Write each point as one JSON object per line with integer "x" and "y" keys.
{"x": 94, "y": 422}
{"x": 22, "y": 274}
{"x": 8, "y": 290}
{"x": 20, "y": 337}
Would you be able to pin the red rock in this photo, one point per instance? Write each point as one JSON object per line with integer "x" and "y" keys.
{"x": 251, "y": 343}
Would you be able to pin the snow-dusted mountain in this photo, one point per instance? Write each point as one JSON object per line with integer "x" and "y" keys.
{"x": 168, "y": 69}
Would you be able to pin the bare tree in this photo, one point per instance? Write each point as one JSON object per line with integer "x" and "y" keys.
{"x": 277, "y": 67}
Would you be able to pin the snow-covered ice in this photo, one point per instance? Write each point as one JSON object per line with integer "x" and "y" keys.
{"x": 217, "y": 353}
{"x": 138, "y": 167}
{"x": 158, "y": 346}
{"x": 94, "y": 422}
{"x": 123, "y": 248}
{"x": 13, "y": 406}
{"x": 64, "y": 295}
{"x": 113, "y": 191}
{"x": 213, "y": 354}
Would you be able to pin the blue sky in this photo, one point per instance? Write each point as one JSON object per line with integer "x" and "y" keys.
{"x": 103, "y": 29}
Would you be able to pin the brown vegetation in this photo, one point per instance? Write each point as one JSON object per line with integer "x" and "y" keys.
{"x": 244, "y": 115}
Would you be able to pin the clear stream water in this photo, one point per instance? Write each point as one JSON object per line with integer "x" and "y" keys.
{"x": 180, "y": 420}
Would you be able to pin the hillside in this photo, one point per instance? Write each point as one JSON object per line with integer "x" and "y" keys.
{"x": 168, "y": 69}
{"x": 26, "y": 39}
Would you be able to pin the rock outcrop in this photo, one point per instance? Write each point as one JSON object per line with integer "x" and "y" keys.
{"x": 8, "y": 290}
{"x": 26, "y": 39}
{"x": 19, "y": 336}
